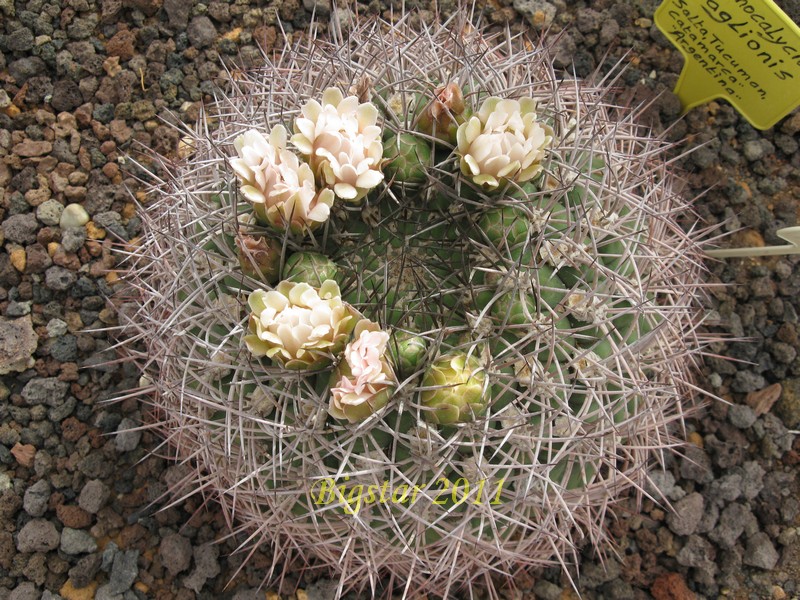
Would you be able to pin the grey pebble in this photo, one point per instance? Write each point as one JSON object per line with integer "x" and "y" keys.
{"x": 76, "y": 541}
{"x": 741, "y": 416}
{"x": 20, "y": 228}
{"x": 93, "y": 496}
{"x": 322, "y": 589}
{"x": 201, "y": 32}
{"x": 24, "y": 591}
{"x": 176, "y": 553}
{"x": 127, "y": 437}
{"x": 45, "y": 390}
{"x": 761, "y": 552}
{"x": 59, "y": 279}
{"x": 698, "y": 553}
{"x": 124, "y": 571}
{"x": 696, "y": 465}
{"x": 529, "y": 8}
{"x": 727, "y": 488}
{"x": 662, "y": 483}
{"x": 38, "y": 535}
{"x": 687, "y": 514}
{"x": 545, "y": 590}
{"x": 206, "y": 566}
{"x": 73, "y": 238}
{"x": 34, "y": 502}
{"x": 49, "y": 212}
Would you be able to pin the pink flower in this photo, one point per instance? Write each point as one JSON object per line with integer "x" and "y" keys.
{"x": 364, "y": 378}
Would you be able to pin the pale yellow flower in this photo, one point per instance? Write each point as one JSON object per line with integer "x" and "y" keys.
{"x": 280, "y": 187}
{"x": 298, "y": 326}
{"x": 503, "y": 142}
{"x": 342, "y": 141}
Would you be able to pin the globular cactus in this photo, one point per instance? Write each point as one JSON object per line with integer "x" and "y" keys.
{"x": 416, "y": 310}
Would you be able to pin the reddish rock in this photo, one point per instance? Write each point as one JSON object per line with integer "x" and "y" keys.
{"x": 31, "y": 148}
{"x": 671, "y": 586}
{"x": 72, "y": 429}
{"x": 25, "y": 454}
{"x": 122, "y": 44}
{"x": 73, "y": 516}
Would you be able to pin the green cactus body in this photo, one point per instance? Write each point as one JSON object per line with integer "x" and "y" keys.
{"x": 524, "y": 299}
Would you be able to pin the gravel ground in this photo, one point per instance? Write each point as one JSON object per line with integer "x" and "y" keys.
{"x": 84, "y": 82}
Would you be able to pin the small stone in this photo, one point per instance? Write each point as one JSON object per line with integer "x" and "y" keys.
{"x": 201, "y": 32}
{"x": 93, "y": 496}
{"x": 762, "y": 400}
{"x": 124, "y": 571}
{"x": 49, "y": 212}
{"x": 18, "y": 342}
{"x": 761, "y": 552}
{"x": 59, "y": 279}
{"x": 85, "y": 570}
{"x": 25, "y": 591}
{"x": 206, "y": 566}
{"x": 128, "y": 436}
{"x": 66, "y": 95}
{"x": 788, "y": 406}
{"x": 73, "y": 516}
{"x": 74, "y": 215}
{"x": 38, "y": 535}
{"x": 56, "y": 328}
{"x": 19, "y": 259}
{"x": 71, "y": 591}
{"x": 540, "y": 14}
{"x": 75, "y": 541}
{"x": 732, "y": 522}
{"x": 93, "y": 232}
{"x": 671, "y": 586}
{"x": 34, "y": 502}
{"x": 20, "y": 229}
{"x": 45, "y": 390}
{"x": 122, "y": 44}
{"x": 696, "y": 465}
{"x": 31, "y": 148}
{"x": 24, "y": 454}
{"x": 741, "y": 416}
{"x": 178, "y": 13}
{"x": 176, "y": 553}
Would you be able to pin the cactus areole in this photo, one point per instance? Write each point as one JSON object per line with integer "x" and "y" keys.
{"x": 419, "y": 321}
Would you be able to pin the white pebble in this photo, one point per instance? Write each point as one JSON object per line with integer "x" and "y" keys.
{"x": 74, "y": 215}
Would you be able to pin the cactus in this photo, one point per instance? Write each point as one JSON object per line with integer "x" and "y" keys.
{"x": 468, "y": 358}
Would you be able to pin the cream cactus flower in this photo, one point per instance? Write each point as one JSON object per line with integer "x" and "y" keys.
{"x": 364, "y": 379}
{"x": 343, "y": 144}
{"x": 298, "y": 326}
{"x": 281, "y": 189}
{"x": 503, "y": 142}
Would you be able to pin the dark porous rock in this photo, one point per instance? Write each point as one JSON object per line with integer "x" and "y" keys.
{"x": 741, "y": 416}
{"x": 66, "y": 95}
{"x": 18, "y": 342}
{"x": 63, "y": 348}
{"x": 201, "y": 32}
{"x": 19, "y": 41}
{"x": 178, "y": 13}
{"x": 25, "y": 68}
{"x": 38, "y": 535}
{"x": 727, "y": 488}
{"x": 761, "y": 552}
{"x": 37, "y": 259}
{"x": 45, "y": 390}
{"x": 176, "y": 553}
{"x": 21, "y": 228}
{"x": 122, "y": 44}
{"x": 59, "y": 279}
{"x": 85, "y": 570}
{"x": 687, "y": 515}
{"x": 34, "y": 502}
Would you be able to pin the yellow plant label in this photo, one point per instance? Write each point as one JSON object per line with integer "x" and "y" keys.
{"x": 745, "y": 51}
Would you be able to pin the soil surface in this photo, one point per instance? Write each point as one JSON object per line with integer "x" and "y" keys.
{"x": 84, "y": 83}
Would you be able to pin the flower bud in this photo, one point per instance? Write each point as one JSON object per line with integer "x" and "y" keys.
{"x": 407, "y": 351}
{"x": 259, "y": 257}
{"x": 310, "y": 267}
{"x": 442, "y": 116}
{"x": 453, "y": 389}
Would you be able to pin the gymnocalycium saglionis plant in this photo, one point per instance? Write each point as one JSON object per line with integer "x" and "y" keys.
{"x": 416, "y": 311}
